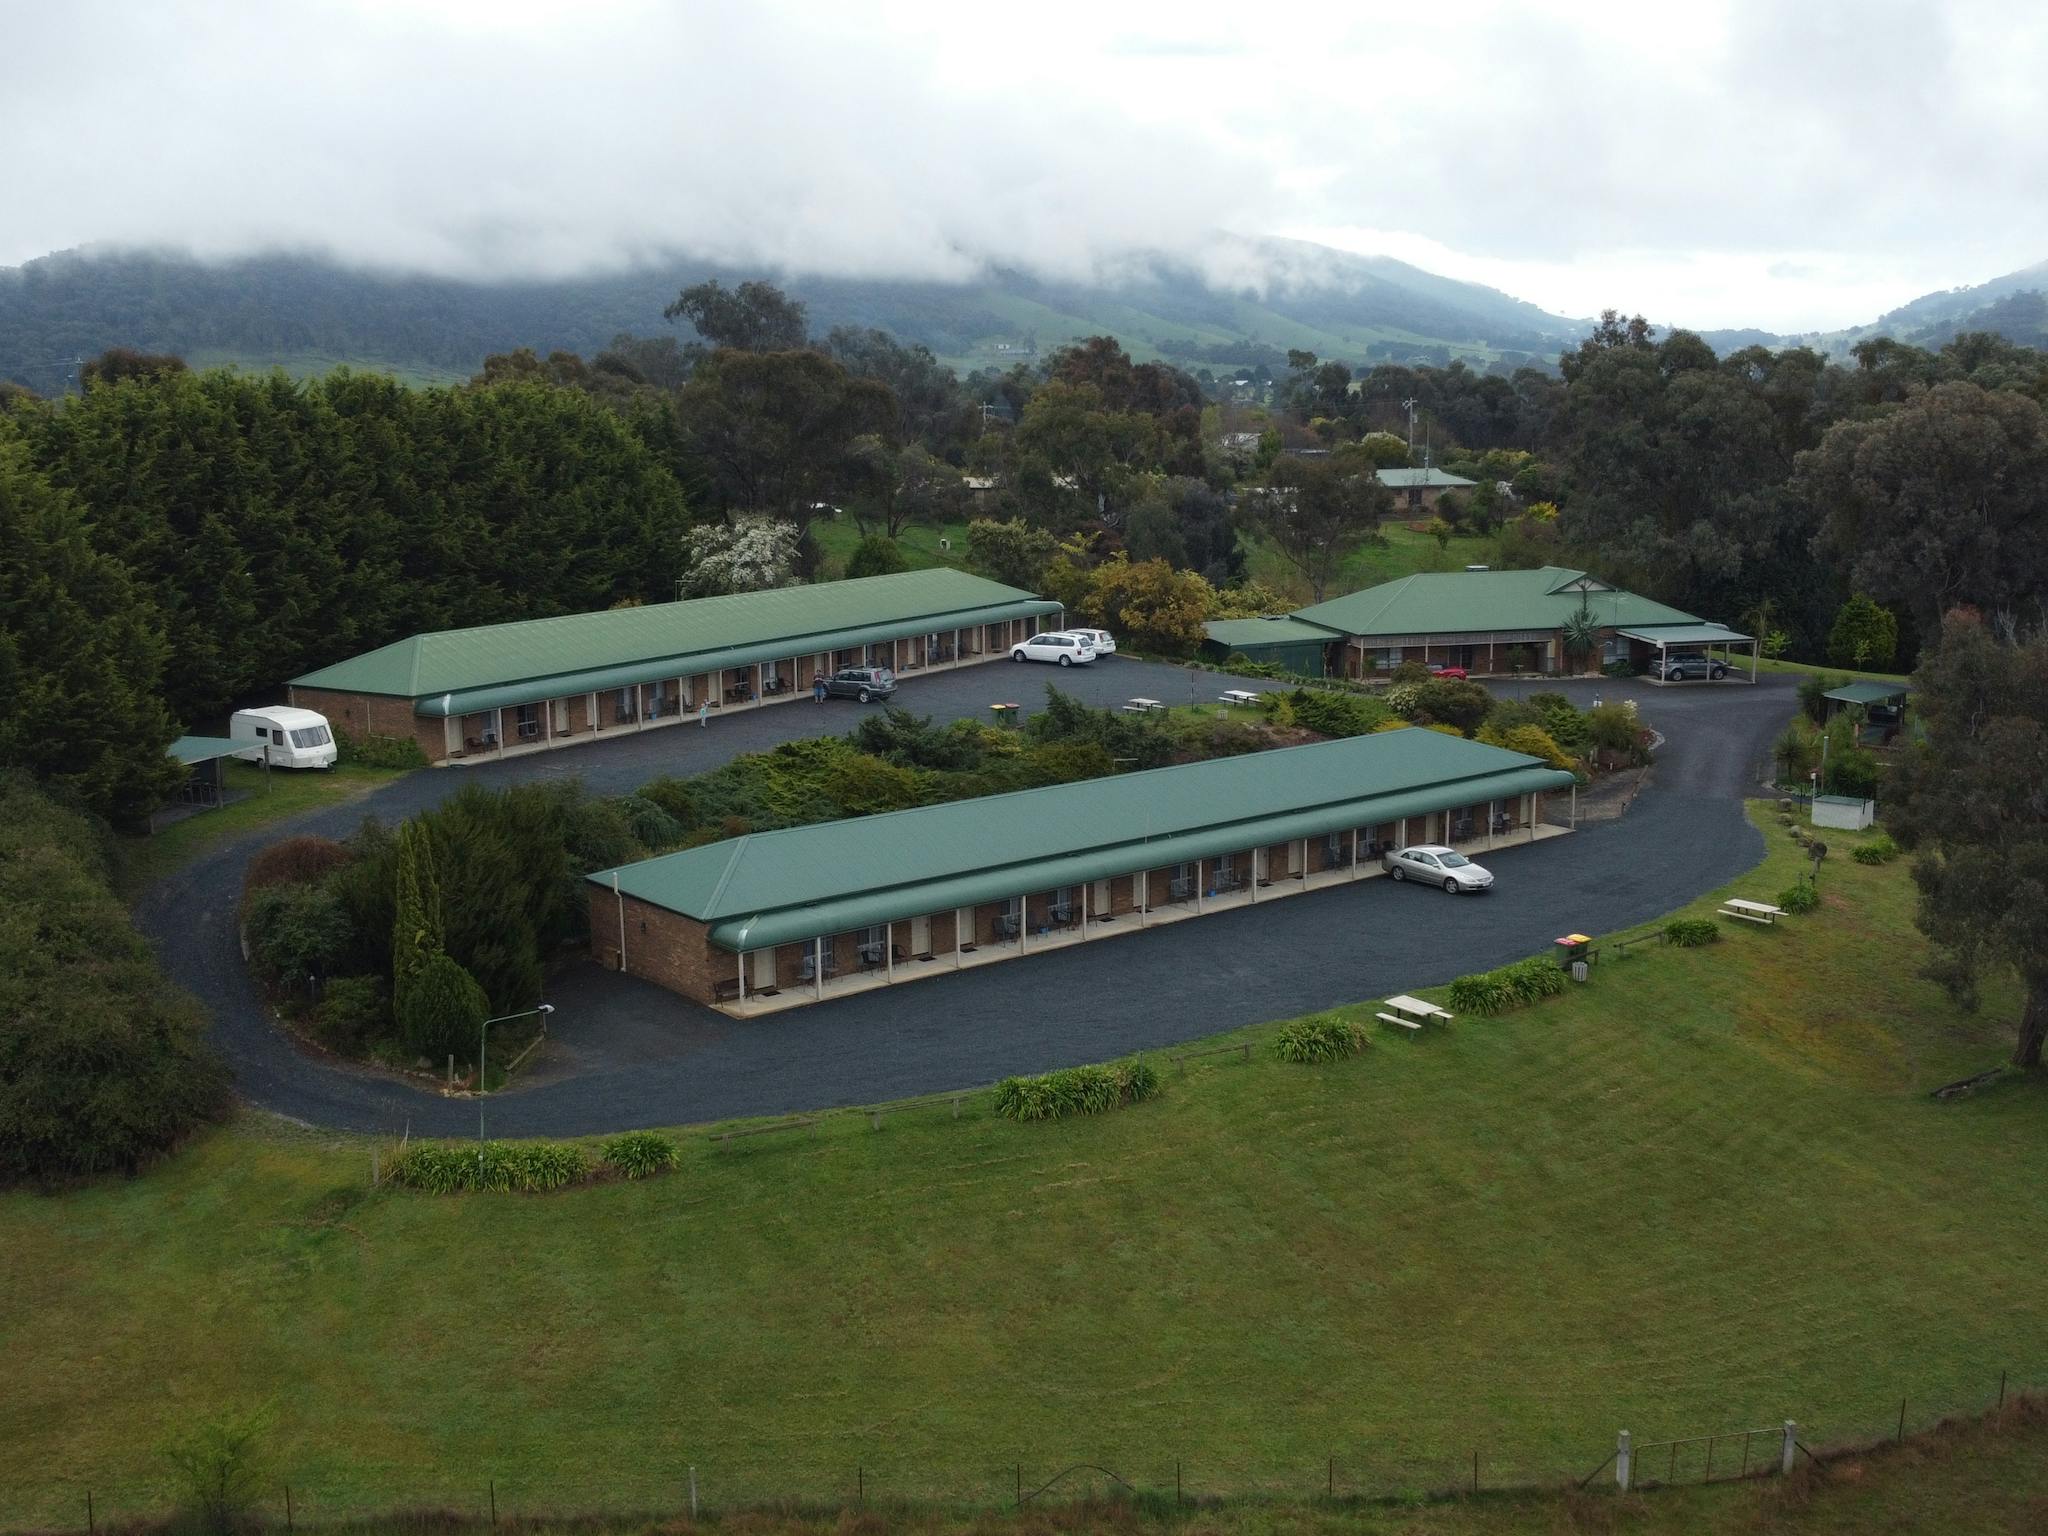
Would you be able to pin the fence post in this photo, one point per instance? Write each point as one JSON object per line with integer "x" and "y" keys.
{"x": 89, "y": 1527}
{"x": 1475, "y": 1469}
{"x": 1902, "y": 1421}
{"x": 2001, "y": 1391}
{"x": 287, "y": 1506}
{"x": 1791, "y": 1445}
{"x": 494, "y": 1503}
{"x": 693, "y": 1493}
{"x": 1621, "y": 1461}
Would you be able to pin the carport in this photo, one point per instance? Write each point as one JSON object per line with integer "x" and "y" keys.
{"x": 204, "y": 788}
{"x": 1666, "y": 638}
{"x": 1883, "y": 706}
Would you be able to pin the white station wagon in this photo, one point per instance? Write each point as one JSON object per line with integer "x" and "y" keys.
{"x": 1439, "y": 866}
{"x": 1103, "y": 641}
{"x": 1067, "y": 650}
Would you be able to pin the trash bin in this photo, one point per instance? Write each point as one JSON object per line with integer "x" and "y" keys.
{"x": 1571, "y": 950}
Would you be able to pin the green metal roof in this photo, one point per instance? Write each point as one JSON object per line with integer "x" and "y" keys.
{"x": 1479, "y": 602}
{"x": 1411, "y": 479}
{"x": 193, "y": 750}
{"x": 1867, "y": 693}
{"x": 1249, "y": 634}
{"x": 1668, "y": 635}
{"x": 670, "y": 639}
{"x": 774, "y": 887}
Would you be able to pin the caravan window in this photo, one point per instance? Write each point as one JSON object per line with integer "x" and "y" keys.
{"x": 263, "y": 733}
{"x": 311, "y": 736}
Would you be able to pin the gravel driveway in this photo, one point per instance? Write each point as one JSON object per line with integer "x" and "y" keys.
{"x": 629, "y": 1054}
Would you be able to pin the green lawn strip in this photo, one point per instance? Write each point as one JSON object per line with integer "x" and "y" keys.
{"x": 838, "y": 537}
{"x": 1808, "y": 668}
{"x": 1705, "y": 1190}
{"x": 1407, "y": 552}
{"x": 144, "y": 859}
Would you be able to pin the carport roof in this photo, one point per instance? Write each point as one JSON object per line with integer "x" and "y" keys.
{"x": 770, "y": 887}
{"x": 560, "y": 651}
{"x": 194, "y": 750}
{"x": 1668, "y": 635}
{"x": 1484, "y": 602}
{"x": 1867, "y": 693}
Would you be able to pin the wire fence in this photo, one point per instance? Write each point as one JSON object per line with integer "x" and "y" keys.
{"x": 657, "y": 1486}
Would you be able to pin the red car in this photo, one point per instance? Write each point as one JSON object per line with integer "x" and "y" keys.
{"x": 1452, "y": 672}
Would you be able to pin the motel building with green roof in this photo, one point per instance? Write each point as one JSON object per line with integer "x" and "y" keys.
{"x": 780, "y": 919}
{"x": 1491, "y": 623}
{"x": 499, "y": 690}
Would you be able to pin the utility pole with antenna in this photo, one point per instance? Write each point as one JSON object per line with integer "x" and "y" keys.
{"x": 1411, "y": 402}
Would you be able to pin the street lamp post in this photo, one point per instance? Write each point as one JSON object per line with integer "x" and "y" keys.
{"x": 484, "y": 1036}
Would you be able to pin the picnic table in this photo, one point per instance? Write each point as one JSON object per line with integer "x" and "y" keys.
{"x": 1412, "y": 1012}
{"x": 1751, "y": 911}
{"x": 1238, "y": 696}
{"x": 1141, "y": 706}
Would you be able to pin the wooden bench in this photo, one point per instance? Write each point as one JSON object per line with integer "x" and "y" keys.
{"x": 1412, "y": 1012}
{"x": 1752, "y": 911}
{"x": 725, "y": 990}
{"x": 1238, "y": 696}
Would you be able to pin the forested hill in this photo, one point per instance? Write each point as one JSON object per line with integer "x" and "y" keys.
{"x": 2014, "y": 306}
{"x": 307, "y": 313}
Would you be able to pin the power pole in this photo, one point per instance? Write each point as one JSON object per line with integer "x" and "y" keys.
{"x": 1411, "y": 402}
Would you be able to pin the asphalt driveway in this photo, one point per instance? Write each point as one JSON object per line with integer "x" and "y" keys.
{"x": 630, "y": 1054}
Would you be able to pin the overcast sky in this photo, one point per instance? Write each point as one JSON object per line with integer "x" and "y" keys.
{"x": 1792, "y": 165}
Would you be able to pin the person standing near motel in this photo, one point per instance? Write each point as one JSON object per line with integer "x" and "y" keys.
{"x": 818, "y": 690}
{"x": 704, "y": 712}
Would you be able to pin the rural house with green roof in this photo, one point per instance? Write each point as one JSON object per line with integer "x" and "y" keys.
{"x": 1417, "y": 491}
{"x": 1488, "y": 622}
{"x": 776, "y": 919}
{"x": 501, "y": 689}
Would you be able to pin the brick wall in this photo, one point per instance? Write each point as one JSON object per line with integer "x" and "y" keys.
{"x": 374, "y": 714}
{"x": 663, "y": 947}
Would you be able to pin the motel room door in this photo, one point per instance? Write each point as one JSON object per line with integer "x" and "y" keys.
{"x": 763, "y": 978}
{"x": 921, "y": 934}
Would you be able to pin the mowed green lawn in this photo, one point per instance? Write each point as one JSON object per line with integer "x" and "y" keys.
{"x": 1705, "y": 1191}
{"x": 837, "y": 538}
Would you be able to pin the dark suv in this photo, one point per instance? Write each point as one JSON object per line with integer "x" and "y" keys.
{"x": 1680, "y": 665}
{"x": 861, "y": 683}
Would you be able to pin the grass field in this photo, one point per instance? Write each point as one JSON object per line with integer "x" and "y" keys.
{"x": 1406, "y": 553}
{"x": 287, "y": 794}
{"x": 1703, "y": 1192}
{"x": 837, "y": 538}
{"x": 1806, "y": 668}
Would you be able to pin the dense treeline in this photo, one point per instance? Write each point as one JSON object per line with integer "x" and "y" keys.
{"x": 176, "y": 542}
{"x": 103, "y": 1063}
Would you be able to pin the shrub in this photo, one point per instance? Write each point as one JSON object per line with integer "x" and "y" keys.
{"x": 1511, "y": 986}
{"x": 1530, "y": 741}
{"x": 1565, "y": 721}
{"x": 1336, "y": 714}
{"x": 218, "y": 1463}
{"x": 354, "y": 1013}
{"x": 295, "y": 931}
{"x": 639, "y": 1154}
{"x": 1813, "y": 691}
{"x": 1611, "y": 728}
{"x": 378, "y": 751}
{"x": 1452, "y": 701}
{"x": 875, "y": 555}
{"x": 1800, "y": 898}
{"x": 442, "y": 1011}
{"x": 103, "y": 1064}
{"x": 1075, "y": 1091}
{"x": 1692, "y": 932}
{"x": 1879, "y": 850}
{"x": 525, "y": 1167}
{"x": 1404, "y": 698}
{"x": 294, "y": 861}
{"x": 1318, "y": 1038}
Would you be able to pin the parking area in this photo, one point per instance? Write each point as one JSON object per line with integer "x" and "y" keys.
{"x": 631, "y": 1054}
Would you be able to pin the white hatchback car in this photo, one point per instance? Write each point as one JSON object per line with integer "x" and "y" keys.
{"x": 1068, "y": 650}
{"x": 1439, "y": 866}
{"x": 1102, "y": 639}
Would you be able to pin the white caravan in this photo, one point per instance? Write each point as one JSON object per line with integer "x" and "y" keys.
{"x": 287, "y": 738}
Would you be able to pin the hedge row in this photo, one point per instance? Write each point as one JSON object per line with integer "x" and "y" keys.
{"x": 1075, "y": 1091}
{"x": 528, "y": 1167}
{"x": 1318, "y": 1038}
{"x": 1512, "y": 986}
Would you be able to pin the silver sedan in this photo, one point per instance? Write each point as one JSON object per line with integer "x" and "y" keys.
{"x": 1438, "y": 865}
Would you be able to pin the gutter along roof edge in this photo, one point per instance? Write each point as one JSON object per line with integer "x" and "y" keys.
{"x": 531, "y": 690}
{"x": 859, "y": 909}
